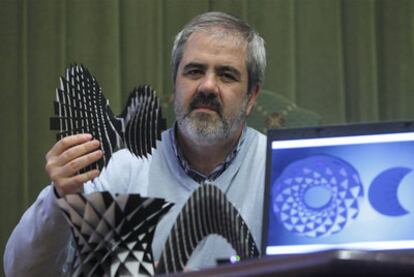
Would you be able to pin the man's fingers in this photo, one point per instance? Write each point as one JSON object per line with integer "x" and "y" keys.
{"x": 59, "y": 173}
{"x": 74, "y": 184}
{"x": 68, "y": 142}
{"x": 77, "y": 151}
{"x": 67, "y": 157}
{"x": 72, "y": 167}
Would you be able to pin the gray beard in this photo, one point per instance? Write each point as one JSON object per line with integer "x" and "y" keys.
{"x": 206, "y": 129}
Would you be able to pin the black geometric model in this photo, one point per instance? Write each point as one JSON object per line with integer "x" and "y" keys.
{"x": 113, "y": 234}
{"x": 206, "y": 212}
{"x": 80, "y": 107}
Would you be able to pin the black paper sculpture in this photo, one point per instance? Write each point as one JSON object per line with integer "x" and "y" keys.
{"x": 206, "y": 212}
{"x": 80, "y": 107}
{"x": 113, "y": 234}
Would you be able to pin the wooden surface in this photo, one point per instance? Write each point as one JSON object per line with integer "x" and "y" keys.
{"x": 327, "y": 263}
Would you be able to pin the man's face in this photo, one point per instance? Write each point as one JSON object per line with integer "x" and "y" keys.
{"x": 211, "y": 100}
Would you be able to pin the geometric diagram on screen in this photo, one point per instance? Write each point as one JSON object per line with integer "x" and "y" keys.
{"x": 383, "y": 191}
{"x": 317, "y": 196}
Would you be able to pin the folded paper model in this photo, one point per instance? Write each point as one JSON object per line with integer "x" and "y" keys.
{"x": 113, "y": 234}
{"x": 81, "y": 107}
{"x": 207, "y": 211}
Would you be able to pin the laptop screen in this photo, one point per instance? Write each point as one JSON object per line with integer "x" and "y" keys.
{"x": 339, "y": 187}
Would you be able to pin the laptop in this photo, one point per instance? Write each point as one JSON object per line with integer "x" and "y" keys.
{"x": 345, "y": 187}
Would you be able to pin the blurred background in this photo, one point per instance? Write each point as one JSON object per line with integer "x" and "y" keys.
{"x": 329, "y": 62}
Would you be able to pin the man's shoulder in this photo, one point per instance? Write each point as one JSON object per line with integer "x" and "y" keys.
{"x": 165, "y": 135}
{"x": 256, "y": 135}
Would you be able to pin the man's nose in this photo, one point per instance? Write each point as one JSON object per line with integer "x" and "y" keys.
{"x": 209, "y": 84}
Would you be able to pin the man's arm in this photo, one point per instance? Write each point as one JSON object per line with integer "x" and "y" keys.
{"x": 39, "y": 243}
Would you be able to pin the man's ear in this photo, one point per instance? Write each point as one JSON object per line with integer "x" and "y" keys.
{"x": 254, "y": 92}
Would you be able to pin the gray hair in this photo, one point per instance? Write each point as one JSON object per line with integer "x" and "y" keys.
{"x": 256, "y": 53}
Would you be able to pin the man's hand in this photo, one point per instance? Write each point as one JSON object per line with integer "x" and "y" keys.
{"x": 67, "y": 157}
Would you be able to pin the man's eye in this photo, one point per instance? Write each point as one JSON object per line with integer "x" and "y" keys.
{"x": 193, "y": 72}
{"x": 227, "y": 77}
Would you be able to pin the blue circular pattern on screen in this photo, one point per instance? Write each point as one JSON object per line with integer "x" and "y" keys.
{"x": 317, "y": 196}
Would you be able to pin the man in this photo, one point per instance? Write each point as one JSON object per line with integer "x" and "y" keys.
{"x": 218, "y": 65}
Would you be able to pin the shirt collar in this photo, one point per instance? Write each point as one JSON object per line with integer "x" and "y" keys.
{"x": 194, "y": 174}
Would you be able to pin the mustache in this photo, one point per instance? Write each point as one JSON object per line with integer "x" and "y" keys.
{"x": 209, "y": 100}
